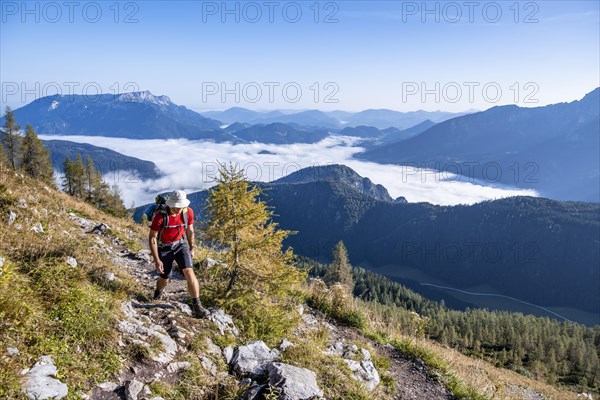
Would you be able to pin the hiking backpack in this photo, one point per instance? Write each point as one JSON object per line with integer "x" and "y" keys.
{"x": 159, "y": 204}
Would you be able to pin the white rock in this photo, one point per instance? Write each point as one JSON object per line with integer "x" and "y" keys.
{"x": 178, "y": 366}
{"x": 12, "y": 216}
{"x": 364, "y": 372}
{"x": 38, "y": 228}
{"x": 223, "y": 321}
{"x": 253, "y": 358}
{"x": 212, "y": 348}
{"x": 110, "y": 277}
{"x": 21, "y": 203}
{"x": 208, "y": 365}
{"x": 366, "y": 355}
{"x": 210, "y": 263}
{"x": 2, "y": 261}
{"x": 285, "y": 344}
{"x": 228, "y": 354}
{"x": 136, "y": 327}
{"x": 71, "y": 261}
{"x": 133, "y": 389}
{"x": 40, "y": 382}
{"x": 146, "y": 391}
{"x": 12, "y": 351}
{"x": 184, "y": 308}
{"x": 108, "y": 386}
{"x": 294, "y": 383}
{"x": 337, "y": 349}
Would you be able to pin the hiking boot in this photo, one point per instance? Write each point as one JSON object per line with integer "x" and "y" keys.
{"x": 158, "y": 294}
{"x": 199, "y": 312}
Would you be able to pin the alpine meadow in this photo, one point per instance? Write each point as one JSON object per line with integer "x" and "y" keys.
{"x": 342, "y": 200}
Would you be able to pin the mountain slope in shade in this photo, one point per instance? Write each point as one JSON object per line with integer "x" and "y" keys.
{"x": 395, "y": 135}
{"x": 534, "y": 249}
{"x": 338, "y": 173}
{"x": 137, "y": 115}
{"x": 402, "y": 120}
{"x": 105, "y": 160}
{"x": 551, "y": 149}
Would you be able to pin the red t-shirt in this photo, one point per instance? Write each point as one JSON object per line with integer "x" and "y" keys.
{"x": 171, "y": 234}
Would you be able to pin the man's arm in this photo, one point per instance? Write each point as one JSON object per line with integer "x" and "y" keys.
{"x": 189, "y": 233}
{"x": 152, "y": 242}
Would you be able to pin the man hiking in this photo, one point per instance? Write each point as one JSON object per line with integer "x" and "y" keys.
{"x": 170, "y": 227}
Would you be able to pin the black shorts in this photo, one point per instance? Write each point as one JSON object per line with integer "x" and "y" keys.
{"x": 179, "y": 253}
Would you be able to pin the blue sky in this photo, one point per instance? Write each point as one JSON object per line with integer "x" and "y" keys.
{"x": 369, "y": 54}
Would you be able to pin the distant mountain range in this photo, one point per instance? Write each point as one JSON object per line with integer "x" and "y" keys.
{"x": 538, "y": 250}
{"x": 141, "y": 115}
{"x": 380, "y": 119}
{"x": 105, "y": 160}
{"x": 138, "y": 115}
{"x": 552, "y": 149}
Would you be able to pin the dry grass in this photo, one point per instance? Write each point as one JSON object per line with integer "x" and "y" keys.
{"x": 48, "y": 307}
{"x": 471, "y": 373}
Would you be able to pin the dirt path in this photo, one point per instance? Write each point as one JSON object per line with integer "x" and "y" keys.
{"x": 169, "y": 320}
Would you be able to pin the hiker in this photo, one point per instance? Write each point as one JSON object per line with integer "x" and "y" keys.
{"x": 171, "y": 225}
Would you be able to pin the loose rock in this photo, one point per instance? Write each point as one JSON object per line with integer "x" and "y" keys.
{"x": 71, "y": 261}
{"x": 12, "y": 216}
{"x": 133, "y": 389}
{"x": 285, "y": 344}
{"x": 223, "y": 321}
{"x": 40, "y": 383}
{"x": 11, "y": 351}
{"x": 178, "y": 366}
{"x": 294, "y": 383}
{"x": 253, "y": 358}
{"x": 108, "y": 386}
{"x": 38, "y": 228}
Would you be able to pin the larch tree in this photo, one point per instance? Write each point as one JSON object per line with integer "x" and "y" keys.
{"x": 260, "y": 278}
{"x": 11, "y": 138}
{"x": 35, "y": 158}
{"x": 340, "y": 270}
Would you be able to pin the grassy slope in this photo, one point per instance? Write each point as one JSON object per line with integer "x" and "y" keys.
{"x": 49, "y": 307}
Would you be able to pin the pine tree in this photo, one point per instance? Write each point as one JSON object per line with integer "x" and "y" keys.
{"x": 35, "y": 159}
{"x": 11, "y": 138}
{"x": 67, "y": 184}
{"x": 260, "y": 276}
{"x": 84, "y": 181}
{"x": 74, "y": 179}
{"x": 91, "y": 181}
{"x": 3, "y": 160}
{"x": 340, "y": 270}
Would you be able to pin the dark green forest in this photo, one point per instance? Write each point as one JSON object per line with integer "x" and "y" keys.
{"x": 561, "y": 352}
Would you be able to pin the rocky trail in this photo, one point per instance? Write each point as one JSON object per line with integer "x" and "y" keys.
{"x": 160, "y": 332}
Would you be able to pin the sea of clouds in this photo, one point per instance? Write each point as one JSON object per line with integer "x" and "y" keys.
{"x": 192, "y": 166}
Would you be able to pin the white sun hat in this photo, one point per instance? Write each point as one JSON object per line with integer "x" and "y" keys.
{"x": 178, "y": 199}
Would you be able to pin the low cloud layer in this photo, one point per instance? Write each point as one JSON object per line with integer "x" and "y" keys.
{"x": 192, "y": 166}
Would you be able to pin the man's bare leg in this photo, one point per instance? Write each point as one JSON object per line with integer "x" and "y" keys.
{"x": 192, "y": 283}
{"x": 194, "y": 291}
{"x": 161, "y": 283}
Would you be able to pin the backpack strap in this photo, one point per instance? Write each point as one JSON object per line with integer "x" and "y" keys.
{"x": 166, "y": 224}
{"x": 185, "y": 217}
